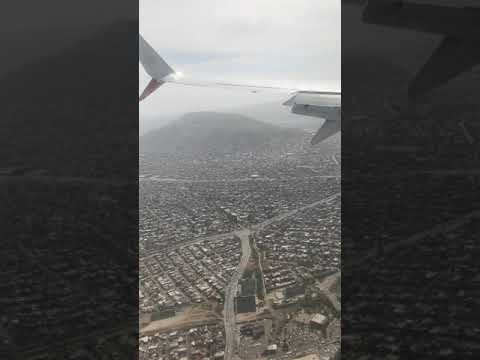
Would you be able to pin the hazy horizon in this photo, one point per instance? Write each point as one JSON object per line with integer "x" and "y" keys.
{"x": 282, "y": 43}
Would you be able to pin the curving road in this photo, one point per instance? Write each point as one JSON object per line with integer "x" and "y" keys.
{"x": 231, "y": 333}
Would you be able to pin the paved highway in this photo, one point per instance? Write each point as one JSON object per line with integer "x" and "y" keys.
{"x": 254, "y": 228}
{"x": 155, "y": 178}
{"x": 231, "y": 333}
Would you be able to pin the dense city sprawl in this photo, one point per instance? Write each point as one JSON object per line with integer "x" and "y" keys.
{"x": 240, "y": 254}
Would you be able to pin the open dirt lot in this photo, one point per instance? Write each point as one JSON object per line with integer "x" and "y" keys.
{"x": 189, "y": 317}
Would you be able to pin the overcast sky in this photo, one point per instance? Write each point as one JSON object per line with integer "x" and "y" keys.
{"x": 294, "y": 43}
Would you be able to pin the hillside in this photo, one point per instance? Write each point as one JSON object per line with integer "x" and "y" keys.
{"x": 217, "y": 134}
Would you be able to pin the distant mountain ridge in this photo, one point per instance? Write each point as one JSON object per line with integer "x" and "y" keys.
{"x": 221, "y": 134}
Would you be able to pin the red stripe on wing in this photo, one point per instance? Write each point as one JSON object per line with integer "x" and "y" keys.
{"x": 151, "y": 87}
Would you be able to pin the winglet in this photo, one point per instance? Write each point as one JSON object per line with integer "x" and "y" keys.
{"x": 151, "y": 87}
{"x": 154, "y": 66}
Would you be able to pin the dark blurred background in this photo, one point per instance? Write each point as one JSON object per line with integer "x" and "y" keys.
{"x": 410, "y": 181}
{"x": 68, "y": 174}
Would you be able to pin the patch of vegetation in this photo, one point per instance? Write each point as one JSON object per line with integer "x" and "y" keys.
{"x": 163, "y": 314}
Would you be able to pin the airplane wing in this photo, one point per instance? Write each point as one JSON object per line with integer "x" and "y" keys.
{"x": 452, "y": 57}
{"x": 326, "y": 105}
{"x": 322, "y": 104}
{"x": 458, "y": 52}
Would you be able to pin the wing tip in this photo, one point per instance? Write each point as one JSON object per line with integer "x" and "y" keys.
{"x": 150, "y": 88}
